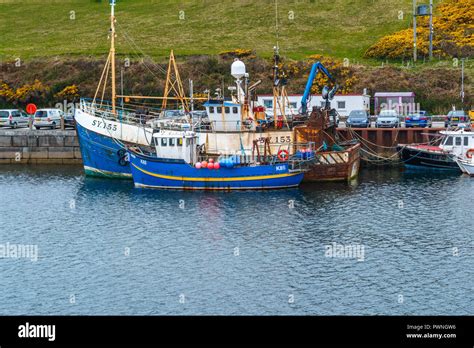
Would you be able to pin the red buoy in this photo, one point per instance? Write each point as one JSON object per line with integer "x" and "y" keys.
{"x": 31, "y": 109}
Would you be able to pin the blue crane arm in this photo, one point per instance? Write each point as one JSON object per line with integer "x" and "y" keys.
{"x": 312, "y": 75}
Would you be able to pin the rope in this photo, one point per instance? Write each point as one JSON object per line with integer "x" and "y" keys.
{"x": 372, "y": 153}
{"x": 137, "y": 48}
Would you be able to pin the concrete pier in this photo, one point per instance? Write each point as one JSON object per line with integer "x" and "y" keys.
{"x": 384, "y": 140}
{"x": 25, "y": 146}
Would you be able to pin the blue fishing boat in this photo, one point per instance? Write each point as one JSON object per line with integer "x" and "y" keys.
{"x": 106, "y": 128}
{"x": 177, "y": 164}
{"x": 102, "y": 155}
{"x": 103, "y": 138}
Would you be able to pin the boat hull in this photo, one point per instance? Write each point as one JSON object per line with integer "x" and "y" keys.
{"x": 466, "y": 166}
{"x": 426, "y": 159}
{"x": 102, "y": 156}
{"x": 149, "y": 172}
{"x": 335, "y": 166}
{"x": 102, "y": 142}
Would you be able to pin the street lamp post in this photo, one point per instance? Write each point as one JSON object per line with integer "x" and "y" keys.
{"x": 421, "y": 11}
{"x": 462, "y": 81}
{"x": 414, "y": 31}
{"x": 431, "y": 29}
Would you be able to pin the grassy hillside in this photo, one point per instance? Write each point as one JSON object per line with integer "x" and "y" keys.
{"x": 59, "y": 48}
{"x": 338, "y": 28}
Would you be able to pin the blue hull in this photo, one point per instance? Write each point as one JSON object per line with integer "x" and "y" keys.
{"x": 102, "y": 156}
{"x": 154, "y": 173}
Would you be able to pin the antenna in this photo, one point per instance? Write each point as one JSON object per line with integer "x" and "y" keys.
{"x": 277, "y": 29}
{"x": 112, "y": 51}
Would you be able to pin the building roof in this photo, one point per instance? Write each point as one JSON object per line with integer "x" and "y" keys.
{"x": 219, "y": 103}
{"x": 316, "y": 95}
{"x": 394, "y": 94}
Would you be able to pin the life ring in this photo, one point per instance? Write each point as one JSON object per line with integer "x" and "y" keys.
{"x": 283, "y": 155}
{"x": 469, "y": 153}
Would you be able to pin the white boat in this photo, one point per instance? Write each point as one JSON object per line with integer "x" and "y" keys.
{"x": 454, "y": 144}
{"x": 467, "y": 166}
{"x": 463, "y": 150}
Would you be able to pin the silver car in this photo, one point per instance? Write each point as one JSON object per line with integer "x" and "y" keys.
{"x": 13, "y": 118}
{"x": 388, "y": 119}
{"x": 50, "y": 118}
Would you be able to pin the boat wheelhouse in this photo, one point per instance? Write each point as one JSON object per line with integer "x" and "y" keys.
{"x": 225, "y": 116}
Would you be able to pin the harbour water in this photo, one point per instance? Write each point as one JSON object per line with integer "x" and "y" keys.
{"x": 106, "y": 248}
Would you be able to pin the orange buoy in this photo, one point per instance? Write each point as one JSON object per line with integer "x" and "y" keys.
{"x": 469, "y": 153}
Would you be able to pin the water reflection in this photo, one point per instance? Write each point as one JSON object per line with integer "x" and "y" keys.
{"x": 238, "y": 252}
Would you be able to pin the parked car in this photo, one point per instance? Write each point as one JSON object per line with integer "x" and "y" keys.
{"x": 419, "y": 119}
{"x": 358, "y": 118}
{"x": 50, "y": 118}
{"x": 456, "y": 117}
{"x": 13, "y": 118}
{"x": 69, "y": 121}
{"x": 388, "y": 119}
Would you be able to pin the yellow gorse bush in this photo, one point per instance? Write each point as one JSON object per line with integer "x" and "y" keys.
{"x": 237, "y": 53}
{"x": 6, "y": 92}
{"x": 68, "y": 92}
{"x": 24, "y": 94}
{"x": 344, "y": 75}
{"x": 453, "y": 25}
{"x": 27, "y": 91}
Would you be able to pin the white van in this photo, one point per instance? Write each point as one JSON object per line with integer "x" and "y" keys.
{"x": 50, "y": 118}
{"x": 13, "y": 118}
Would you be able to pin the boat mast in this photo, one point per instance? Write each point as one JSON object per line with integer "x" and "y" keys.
{"x": 112, "y": 50}
{"x": 276, "y": 57}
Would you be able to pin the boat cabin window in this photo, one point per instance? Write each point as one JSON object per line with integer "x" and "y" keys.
{"x": 466, "y": 141}
{"x": 448, "y": 141}
{"x": 164, "y": 142}
{"x": 219, "y": 110}
{"x": 227, "y": 110}
{"x": 172, "y": 142}
{"x": 211, "y": 109}
{"x": 180, "y": 141}
{"x": 268, "y": 103}
{"x": 235, "y": 110}
{"x": 458, "y": 141}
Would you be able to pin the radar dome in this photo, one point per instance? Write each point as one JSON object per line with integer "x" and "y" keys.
{"x": 238, "y": 69}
